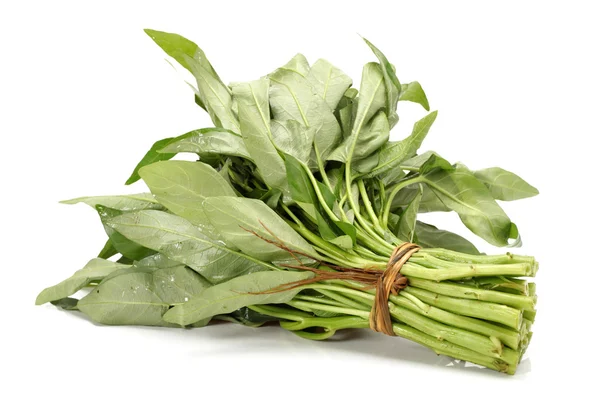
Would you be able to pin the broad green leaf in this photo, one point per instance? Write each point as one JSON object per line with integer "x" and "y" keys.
{"x": 298, "y": 64}
{"x": 291, "y": 97}
{"x": 392, "y": 84}
{"x": 157, "y": 260}
{"x": 408, "y": 218}
{"x": 209, "y": 141}
{"x": 293, "y": 138}
{"x": 239, "y": 220}
{"x": 127, "y": 202}
{"x": 107, "y": 251}
{"x": 370, "y": 139}
{"x": 414, "y": 92}
{"x": 122, "y": 245}
{"x": 431, "y": 237}
{"x": 182, "y": 186}
{"x": 153, "y": 155}
{"x": 371, "y": 100}
{"x": 504, "y": 185}
{"x": 301, "y": 188}
{"x": 141, "y": 296}
{"x": 68, "y": 303}
{"x": 237, "y": 293}
{"x": 460, "y": 191}
{"x": 435, "y": 162}
{"x": 180, "y": 241}
{"x": 393, "y": 154}
{"x": 253, "y": 105}
{"x": 95, "y": 270}
{"x": 213, "y": 94}
{"x": 328, "y": 82}
{"x": 430, "y": 202}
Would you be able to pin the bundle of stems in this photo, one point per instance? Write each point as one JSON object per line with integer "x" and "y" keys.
{"x": 295, "y": 212}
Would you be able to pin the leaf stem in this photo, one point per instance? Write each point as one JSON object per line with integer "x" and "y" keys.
{"x": 388, "y": 205}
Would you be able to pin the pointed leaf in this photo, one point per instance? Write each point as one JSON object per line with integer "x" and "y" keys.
{"x": 182, "y": 186}
{"x": 140, "y": 296}
{"x": 431, "y": 237}
{"x": 122, "y": 245}
{"x": 463, "y": 193}
{"x": 253, "y": 105}
{"x": 408, "y": 219}
{"x": 95, "y": 270}
{"x": 328, "y": 82}
{"x": 392, "y": 85}
{"x": 235, "y": 294}
{"x": 371, "y": 100}
{"x": 208, "y": 141}
{"x": 127, "y": 202}
{"x": 239, "y": 219}
{"x": 181, "y": 241}
{"x": 291, "y": 97}
{"x": 394, "y": 153}
{"x": 414, "y": 92}
{"x": 504, "y": 185}
{"x": 293, "y": 138}
{"x": 214, "y": 95}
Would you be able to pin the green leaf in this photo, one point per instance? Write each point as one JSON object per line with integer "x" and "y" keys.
{"x": 140, "y": 296}
{"x": 414, "y": 92}
{"x": 253, "y": 105}
{"x": 393, "y": 154}
{"x": 182, "y": 186}
{"x": 246, "y": 317}
{"x": 371, "y": 138}
{"x": 301, "y": 188}
{"x": 504, "y": 185}
{"x": 237, "y": 293}
{"x": 392, "y": 84}
{"x": 435, "y": 162}
{"x": 430, "y": 202}
{"x": 408, "y": 219}
{"x": 298, "y": 64}
{"x": 328, "y": 82}
{"x": 239, "y": 220}
{"x": 157, "y": 260}
{"x": 68, "y": 303}
{"x": 208, "y": 142}
{"x": 127, "y": 202}
{"x": 372, "y": 98}
{"x": 431, "y": 237}
{"x": 95, "y": 270}
{"x": 292, "y": 97}
{"x": 153, "y": 155}
{"x": 122, "y": 245}
{"x": 213, "y": 94}
{"x": 293, "y": 138}
{"x": 107, "y": 251}
{"x": 180, "y": 241}
{"x": 460, "y": 191}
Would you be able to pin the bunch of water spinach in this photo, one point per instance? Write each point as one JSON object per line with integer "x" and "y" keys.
{"x": 298, "y": 176}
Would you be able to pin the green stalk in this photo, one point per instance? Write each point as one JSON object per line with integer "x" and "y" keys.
{"x": 365, "y": 199}
{"x": 399, "y": 186}
{"x": 460, "y": 291}
{"x": 505, "y": 315}
{"x": 416, "y": 271}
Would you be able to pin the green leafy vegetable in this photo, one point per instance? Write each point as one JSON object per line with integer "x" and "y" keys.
{"x": 297, "y": 210}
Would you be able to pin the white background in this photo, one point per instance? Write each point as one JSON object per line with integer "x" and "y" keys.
{"x": 84, "y": 93}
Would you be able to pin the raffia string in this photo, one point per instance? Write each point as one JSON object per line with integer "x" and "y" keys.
{"x": 391, "y": 281}
{"x": 385, "y": 282}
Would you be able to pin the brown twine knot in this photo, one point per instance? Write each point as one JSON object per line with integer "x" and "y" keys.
{"x": 385, "y": 282}
{"x": 391, "y": 281}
